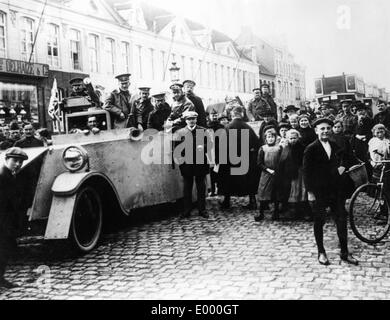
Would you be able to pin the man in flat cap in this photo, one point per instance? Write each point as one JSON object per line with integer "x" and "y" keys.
{"x": 141, "y": 109}
{"x": 29, "y": 140}
{"x": 188, "y": 87}
{"x": 194, "y": 166}
{"x": 84, "y": 88}
{"x": 262, "y": 101}
{"x": 10, "y": 208}
{"x": 118, "y": 102}
{"x": 324, "y": 178}
{"x": 161, "y": 112}
{"x": 180, "y": 104}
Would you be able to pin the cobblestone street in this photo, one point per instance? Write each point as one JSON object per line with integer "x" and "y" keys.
{"x": 229, "y": 256}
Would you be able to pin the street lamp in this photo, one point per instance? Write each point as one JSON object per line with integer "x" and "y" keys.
{"x": 174, "y": 70}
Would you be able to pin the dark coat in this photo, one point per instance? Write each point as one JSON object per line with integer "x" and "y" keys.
{"x": 291, "y": 160}
{"x": 308, "y": 136}
{"x": 199, "y": 109}
{"x": 246, "y": 184}
{"x": 10, "y": 203}
{"x": 117, "y": 102}
{"x": 29, "y": 142}
{"x": 360, "y": 147}
{"x": 158, "y": 117}
{"x": 257, "y": 106}
{"x": 320, "y": 173}
{"x": 190, "y": 168}
{"x": 7, "y": 143}
{"x": 139, "y": 113}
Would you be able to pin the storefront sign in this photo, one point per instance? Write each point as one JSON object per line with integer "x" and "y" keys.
{"x": 23, "y": 67}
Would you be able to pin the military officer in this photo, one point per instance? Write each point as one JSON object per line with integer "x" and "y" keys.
{"x": 10, "y": 208}
{"x": 180, "y": 104}
{"x": 118, "y": 102}
{"x": 262, "y": 101}
{"x": 83, "y": 88}
{"x": 141, "y": 109}
{"x": 161, "y": 112}
{"x": 188, "y": 86}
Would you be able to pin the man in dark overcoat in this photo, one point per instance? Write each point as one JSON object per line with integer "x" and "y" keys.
{"x": 324, "y": 178}
{"x": 10, "y": 208}
{"x": 246, "y": 183}
{"x": 194, "y": 162}
{"x": 188, "y": 87}
{"x": 118, "y": 103}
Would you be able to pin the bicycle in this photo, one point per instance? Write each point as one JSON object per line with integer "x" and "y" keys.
{"x": 369, "y": 209}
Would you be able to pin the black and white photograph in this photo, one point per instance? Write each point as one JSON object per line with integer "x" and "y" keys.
{"x": 179, "y": 151}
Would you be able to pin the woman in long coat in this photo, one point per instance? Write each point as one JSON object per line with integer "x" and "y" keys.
{"x": 247, "y": 182}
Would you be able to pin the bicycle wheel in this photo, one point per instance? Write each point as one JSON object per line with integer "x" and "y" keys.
{"x": 369, "y": 213}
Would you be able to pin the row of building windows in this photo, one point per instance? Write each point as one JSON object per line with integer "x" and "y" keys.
{"x": 146, "y": 60}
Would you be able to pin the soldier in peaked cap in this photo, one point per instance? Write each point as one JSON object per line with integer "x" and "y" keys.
{"x": 324, "y": 177}
{"x": 84, "y": 88}
{"x": 262, "y": 101}
{"x": 180, "y": 104}
{"x": 161, "y": 112}
{"x": 10, "y": 208}
{"x": 118, "y": 102}
{"x": 141, "y": 109}
{"x": 188, "y": 87}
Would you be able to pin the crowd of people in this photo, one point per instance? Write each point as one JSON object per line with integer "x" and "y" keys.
{"x": 298, "y": 163}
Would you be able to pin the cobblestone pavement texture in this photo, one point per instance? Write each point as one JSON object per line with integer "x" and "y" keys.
{"x": 228, "y": 256}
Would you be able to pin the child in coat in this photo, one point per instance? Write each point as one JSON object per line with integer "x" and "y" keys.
{"x": 267, "y": 160}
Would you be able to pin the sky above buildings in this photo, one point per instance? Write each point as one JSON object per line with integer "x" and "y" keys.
{"x": 328, "y": 37}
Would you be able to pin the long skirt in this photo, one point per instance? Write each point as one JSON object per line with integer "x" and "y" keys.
{"x": 298, "y": 191}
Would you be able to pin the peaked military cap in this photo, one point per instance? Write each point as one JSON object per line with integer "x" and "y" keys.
{"x": 123, "y": 77}
{"x": 76, "y": 80}
{"x": 144, "y": 89}
{"x": 177, "y": 85}
{"x": 158, "y": 95}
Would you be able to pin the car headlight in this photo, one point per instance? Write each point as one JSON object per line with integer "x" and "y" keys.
{"x": 74, "y": 158}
